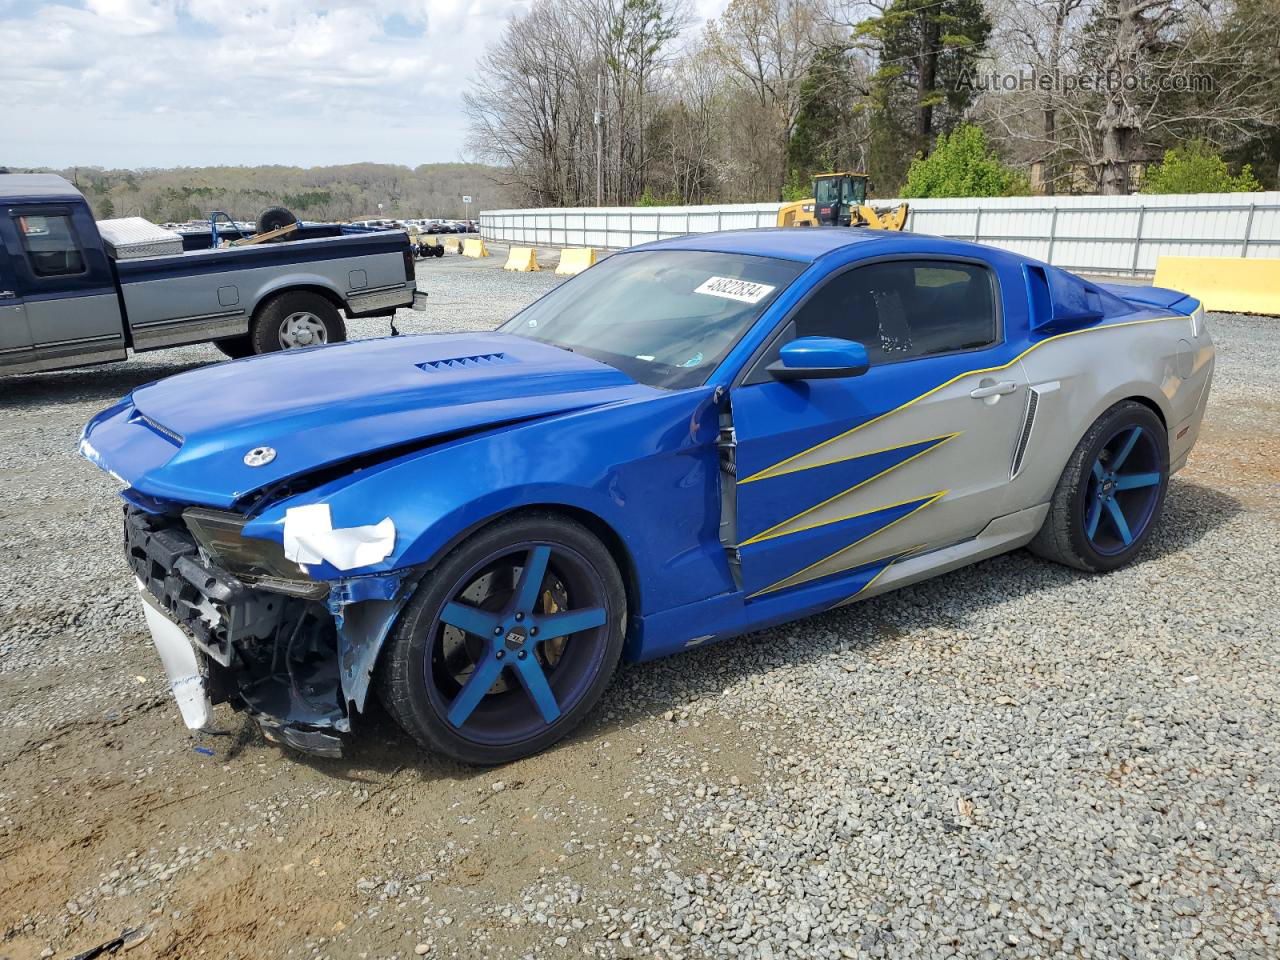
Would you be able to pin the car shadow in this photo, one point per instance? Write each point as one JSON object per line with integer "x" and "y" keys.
{"x": 106, "y": 383}
{"x": 644, "y": 691}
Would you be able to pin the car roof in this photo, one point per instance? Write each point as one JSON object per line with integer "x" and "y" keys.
{"x": 15, "y": 187}
{"x": 787, "y": 243}
{"x": 809, "y": 244}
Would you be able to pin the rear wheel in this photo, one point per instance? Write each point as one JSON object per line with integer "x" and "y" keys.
{"x": 1111, "y": 493}
{"x": 298, "y": 319}
{"x": 508, "y": 643}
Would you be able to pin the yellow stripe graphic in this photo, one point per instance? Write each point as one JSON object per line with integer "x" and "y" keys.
{"x": 928, "y": 503}
{"x": 770, "y": 471}
{"x": 769, "y": 534}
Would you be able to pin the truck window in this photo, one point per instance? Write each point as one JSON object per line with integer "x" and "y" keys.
{"x": 50, "y": 244}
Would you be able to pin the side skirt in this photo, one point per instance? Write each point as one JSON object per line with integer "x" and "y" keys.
{"x": 728, "y": 615}
{"x": 999, "y": 536}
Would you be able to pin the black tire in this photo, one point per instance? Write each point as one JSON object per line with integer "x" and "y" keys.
{"x": 236, "y": 347}
{"x": 438, "y": 250}
{"x": 1064, "y": 538}
{"x": 415, "y": 678}
{"x": 273, "y": 218}
{"x": 325, "y": 322}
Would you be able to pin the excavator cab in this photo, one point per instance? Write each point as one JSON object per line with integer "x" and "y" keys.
{"x": 840, "y": 200}
{"x": 837, "y": 197}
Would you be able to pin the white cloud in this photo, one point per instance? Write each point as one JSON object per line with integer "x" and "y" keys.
{"x": 138, "y": 83}
{"x": 169, "y": 82}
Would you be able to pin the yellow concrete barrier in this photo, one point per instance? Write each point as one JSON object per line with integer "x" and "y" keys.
{"x": 474, "y": 247}
{"x": 575, "y": 260}
{"x": 522, "y": 259}
{"x": 1231, "y": 284}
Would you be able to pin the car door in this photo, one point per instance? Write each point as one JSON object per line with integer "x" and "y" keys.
{"x": 15, "y": 335}
{"x": 837, "y": 476}
{"x": 72, "y": 306}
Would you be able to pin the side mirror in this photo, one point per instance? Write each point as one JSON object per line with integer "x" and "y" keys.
{"x": 819, "y": 358}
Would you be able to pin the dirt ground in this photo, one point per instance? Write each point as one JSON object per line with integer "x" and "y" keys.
{"x": 226, "y": 846}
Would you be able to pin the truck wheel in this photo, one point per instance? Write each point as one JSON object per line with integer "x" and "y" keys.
{"x": 1111, "y": 493}
{"x": 273, "y": 218}
{"x": 299, "y": 319}
{"x": 236, "y": 347}
{"x": 509, "y": 642}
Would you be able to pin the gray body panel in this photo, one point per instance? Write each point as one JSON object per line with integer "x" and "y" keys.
{"x": 1076, "y": 377}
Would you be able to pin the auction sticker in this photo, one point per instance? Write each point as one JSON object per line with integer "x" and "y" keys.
{"x": 731, "y": 289}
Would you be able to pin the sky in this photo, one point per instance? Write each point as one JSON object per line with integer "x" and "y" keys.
{"x": 163, "y": 83}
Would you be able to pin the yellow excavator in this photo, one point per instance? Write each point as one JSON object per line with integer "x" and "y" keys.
{"x": 840, "y": 200}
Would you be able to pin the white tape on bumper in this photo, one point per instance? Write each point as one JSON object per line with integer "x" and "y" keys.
{"x": 310, "y": 538}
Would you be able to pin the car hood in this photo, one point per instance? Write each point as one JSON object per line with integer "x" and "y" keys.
{"x": 189, "y": 438}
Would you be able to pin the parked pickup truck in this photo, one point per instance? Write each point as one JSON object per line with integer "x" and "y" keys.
{"x": 69, "y": 298}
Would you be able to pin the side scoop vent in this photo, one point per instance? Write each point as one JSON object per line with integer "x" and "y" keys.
{"x": 464, "y": 363}
{"x": 1024, "y": 437}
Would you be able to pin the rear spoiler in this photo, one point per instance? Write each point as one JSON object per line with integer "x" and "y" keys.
{"x": 1161, "y": 297}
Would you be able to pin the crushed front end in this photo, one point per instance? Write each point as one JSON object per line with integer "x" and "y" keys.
{"x": 260, "y": 634}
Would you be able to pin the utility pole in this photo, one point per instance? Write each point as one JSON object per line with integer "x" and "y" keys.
{"x": 599, "y": 119}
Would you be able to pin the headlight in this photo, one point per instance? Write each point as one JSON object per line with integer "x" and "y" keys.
{"x": 258, "y": 562}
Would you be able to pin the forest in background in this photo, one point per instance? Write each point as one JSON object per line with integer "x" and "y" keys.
{"x": 312, "y": 193}
{"x": 629, "y": 101}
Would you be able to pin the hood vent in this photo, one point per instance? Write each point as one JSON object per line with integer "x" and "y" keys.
{"x": 170, "y": 435}
{"x": 462, "y": 363}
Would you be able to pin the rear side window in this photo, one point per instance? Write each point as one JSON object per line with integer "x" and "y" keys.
{"x": 901, "y": 309}
{"x": 50, "y": 244}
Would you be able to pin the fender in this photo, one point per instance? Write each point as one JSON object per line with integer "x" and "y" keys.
{"x": 656, "y": 452}
{"x": 307, "y": 282}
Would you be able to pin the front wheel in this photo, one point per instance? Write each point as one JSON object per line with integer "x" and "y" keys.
{"x": 1111, "y": 493}
{"x": 508, "y": 643}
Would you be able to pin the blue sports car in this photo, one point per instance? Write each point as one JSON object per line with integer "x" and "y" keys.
{"x": 693, "y": 439}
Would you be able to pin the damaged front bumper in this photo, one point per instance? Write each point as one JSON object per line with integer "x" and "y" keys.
{"x": 295, "y": 654}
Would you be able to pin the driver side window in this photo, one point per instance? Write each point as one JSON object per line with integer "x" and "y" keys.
{"x": 899, "y": 309}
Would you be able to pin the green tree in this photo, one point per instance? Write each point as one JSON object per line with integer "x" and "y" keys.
{"x": 824, "y": 103}
{"x": 923, "y": 48}
{"x": 963, "y": 165}
{"x": 1196, "y": 167}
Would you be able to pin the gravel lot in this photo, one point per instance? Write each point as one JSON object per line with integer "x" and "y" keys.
{"x": 1014, "y": 760}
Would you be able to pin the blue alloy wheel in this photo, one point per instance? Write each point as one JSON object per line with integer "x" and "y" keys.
{"x": 1123, "y": 490}
{"x": 518, "y": 644}
{"x": 1110, "y": 493}
{"x": 508, "y": 642}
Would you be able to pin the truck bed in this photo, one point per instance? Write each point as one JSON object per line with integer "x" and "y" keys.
{"x": 211, "y": 294}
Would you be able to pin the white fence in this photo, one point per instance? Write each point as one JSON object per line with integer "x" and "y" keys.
{"x": 1092, "y": 234}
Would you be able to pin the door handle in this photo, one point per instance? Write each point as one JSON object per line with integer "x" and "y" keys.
{"x": 994, "y": 389}
{"x": 7, "y": 294}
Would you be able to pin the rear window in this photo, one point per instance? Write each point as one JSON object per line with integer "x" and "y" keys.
{"x": 50, "y": 244}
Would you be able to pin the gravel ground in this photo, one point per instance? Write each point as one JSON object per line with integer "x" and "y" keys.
{"x": 1014, "y": 760}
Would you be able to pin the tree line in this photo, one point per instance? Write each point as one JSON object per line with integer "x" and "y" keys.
{"x": 313, "y": 193}
{"x": 626, "y": 101}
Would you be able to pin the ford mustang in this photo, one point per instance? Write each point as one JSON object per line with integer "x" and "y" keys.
{"x": 693, "y": 439}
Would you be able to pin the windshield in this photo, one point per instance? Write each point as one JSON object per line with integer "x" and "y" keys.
{"x": 663, "y": 317}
